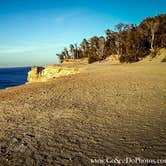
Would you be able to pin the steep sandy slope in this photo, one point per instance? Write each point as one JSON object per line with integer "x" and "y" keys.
{"x": 160, "y": 57}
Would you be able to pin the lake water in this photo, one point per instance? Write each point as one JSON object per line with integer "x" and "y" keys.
{"x": 13, "y": 76}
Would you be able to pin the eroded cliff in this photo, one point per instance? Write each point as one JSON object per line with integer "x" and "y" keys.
{"x": 47, "y": 73}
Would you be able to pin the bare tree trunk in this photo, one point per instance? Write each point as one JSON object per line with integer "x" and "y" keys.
{"x": 77, "y": 54}
{"x": 118, "y": 49}
{"x": 152, "y": 39}
{"x": 102, "y": 53}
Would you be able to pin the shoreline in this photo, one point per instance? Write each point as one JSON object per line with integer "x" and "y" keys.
{"x": 82, "y": 68}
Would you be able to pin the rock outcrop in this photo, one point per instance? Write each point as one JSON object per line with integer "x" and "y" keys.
{"x": 47, "y": 73}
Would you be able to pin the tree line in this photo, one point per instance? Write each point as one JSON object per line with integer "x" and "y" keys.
{"x": 130, "y": 42}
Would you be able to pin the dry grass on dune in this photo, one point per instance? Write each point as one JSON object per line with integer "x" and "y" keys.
{"x": 107, "y": 111}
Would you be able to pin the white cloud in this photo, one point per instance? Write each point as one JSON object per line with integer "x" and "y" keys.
{"x": 8, "y": 50}
{"x": 29, "y": 48}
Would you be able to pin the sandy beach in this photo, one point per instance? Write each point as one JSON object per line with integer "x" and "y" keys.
{"x": 107, "y": 111}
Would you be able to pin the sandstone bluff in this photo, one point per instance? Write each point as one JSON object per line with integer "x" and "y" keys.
{"x": 47, "y": 73}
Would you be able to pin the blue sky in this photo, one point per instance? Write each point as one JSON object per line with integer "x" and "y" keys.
{"x": 33, "y": 31}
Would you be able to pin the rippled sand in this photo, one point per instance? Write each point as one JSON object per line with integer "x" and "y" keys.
{"x": 106, "y": 111}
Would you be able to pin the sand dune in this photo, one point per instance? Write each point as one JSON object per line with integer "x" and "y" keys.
{"x": 105, "y": 111}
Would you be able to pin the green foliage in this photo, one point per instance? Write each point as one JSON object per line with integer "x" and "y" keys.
{"x": 92, "y": 59}
{"x": 130, "y": 42}
{"x": 164, "y": 60}
{"x": 153, "y": 52}
{"x": 128, "y": 58}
